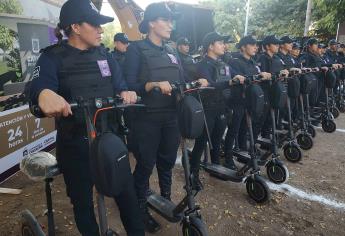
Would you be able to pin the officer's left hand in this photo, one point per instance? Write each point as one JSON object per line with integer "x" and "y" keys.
{"x": 284, "y": 73}
{"x": 239, "y": 78}
{"x": 296, "y": 70}
{"x": 203, "y": 82}
{"x": 129, "y": 97}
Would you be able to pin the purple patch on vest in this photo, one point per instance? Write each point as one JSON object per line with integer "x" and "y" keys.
{"x": 173, "y": 58}
{"x": 104, "y": 68}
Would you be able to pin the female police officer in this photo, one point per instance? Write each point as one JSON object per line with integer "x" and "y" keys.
{"x": 218, "y": 76}
{"x": 151, "y": 64}
{"x": 56, "y": 71}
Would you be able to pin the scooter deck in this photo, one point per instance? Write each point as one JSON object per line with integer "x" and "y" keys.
{"x": 220, "y": 172}
{"x": 163, "y": 207}
{"x": 244, "y": 157}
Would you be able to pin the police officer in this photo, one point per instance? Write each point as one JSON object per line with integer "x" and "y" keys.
{"x": 284, "y": 52}
{"x": 121, "y": 43}
{"x": 188, "y": 63}
{"x": 332, "y": 53}
{"x": 218, "y": 75}
{"x": 55, "y": 73}
{"x": 244, "y": 65}
{"x": 151, "y": 65}
{"x": 269, "y": 62}
{"x": 296, "y": 52}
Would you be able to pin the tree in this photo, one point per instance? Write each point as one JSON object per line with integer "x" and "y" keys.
{"x": 327, "y": 14}
{"x": 110, "y": 30}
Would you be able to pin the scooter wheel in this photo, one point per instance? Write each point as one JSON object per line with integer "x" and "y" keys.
{"x": 335, "y": 112}
{"x": 194, "y": 226}
{"x": 30, "y": 225}
{"x": 311, "y": 130}
{"x": 329, "y": 126}
{"x": 277, "y": 172}
{"x": 342, "y": 108}
{"x": 293, "y": 153}
{"x": 257, "y": 189}
{"x": 305, "y": 141}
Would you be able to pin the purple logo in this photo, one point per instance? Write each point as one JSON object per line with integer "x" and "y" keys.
{"x": 173, "y": 58}
{"x": 104, "y": 68}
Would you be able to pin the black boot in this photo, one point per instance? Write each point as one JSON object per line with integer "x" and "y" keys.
{"x": 196, "y": 183}
{"x": 229, "y": 162}
{"x": 151, "y": 225}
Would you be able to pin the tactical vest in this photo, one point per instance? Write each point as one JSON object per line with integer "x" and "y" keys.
{"x": 85, "y": 74}
{"x": 158, "y": 66}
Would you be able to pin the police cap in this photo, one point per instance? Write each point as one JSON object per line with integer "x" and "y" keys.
{"x": 121, "y": 37}
{"x": 271, "y": 39}
{"x": 246, "y": 40}
{"x": 182, "y": 41}
{"x": 333, "y": 42}
{"x": 312, "y": 41}
{"x": 75, "y": 11}
{"x": 286, "y": 39}
{"x": 211, "y": 38}
{"x": 296, "y": 45}
{"x": 153, "y": 12}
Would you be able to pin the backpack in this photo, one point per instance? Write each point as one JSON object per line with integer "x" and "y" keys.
{"x": 190, "y": 117}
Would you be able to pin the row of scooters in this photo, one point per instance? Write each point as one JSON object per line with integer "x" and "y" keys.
{"x": 296, "y": 133}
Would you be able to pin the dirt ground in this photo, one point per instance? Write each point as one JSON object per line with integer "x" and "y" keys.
{"x": 312, "y": 202}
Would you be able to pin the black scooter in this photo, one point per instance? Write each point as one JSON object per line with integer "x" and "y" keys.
{"x": 186, "y": 211}
{"x": 30, "y": 225}
{"x": 256, "y": 186}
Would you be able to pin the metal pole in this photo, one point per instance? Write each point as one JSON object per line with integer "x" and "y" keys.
{"x": 308, "y": 17}
{"x": 247, "y": 18}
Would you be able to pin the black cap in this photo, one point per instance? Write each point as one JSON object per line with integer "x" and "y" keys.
{"x": 312, "y": 41}
{"x": 211, "y": 38}
{"x": 182, "y": 41}
{"x": 246, "y": 40}
{"x": 75, "y": 11}
{"x": 333, "y": 42}
{"x": 321, "y": 45}
{"x": 122, "y": 37}
{"x": 271, "y": 39}
{"x": 296, "y": 45}
{"x": 154, "y": 11}
{"x": 286, "y": 39}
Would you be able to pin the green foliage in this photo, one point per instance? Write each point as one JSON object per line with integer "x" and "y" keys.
{"x": 110, "y": 30}
{"x": 278, "y": 17}
{"x": 328, "y": 13}
{"x": 6, "y": 35}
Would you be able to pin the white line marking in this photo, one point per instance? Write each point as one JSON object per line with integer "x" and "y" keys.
{"x": 292, "y": 191}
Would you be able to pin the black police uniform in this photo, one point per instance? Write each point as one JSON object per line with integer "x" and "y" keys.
{"x": 189, "y": 66}
{"x": 58, "y": 69}
{"x": 156, "y": 129}
{"x": 238, "y": 126}
{"x": 119, "y": 57}
{"x": 312, "y": 60}
{"x": 217, "y": 74}
{"x": 271, "y": 65}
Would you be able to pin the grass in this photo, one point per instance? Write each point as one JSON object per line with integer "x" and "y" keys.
{"x": 3, "y": 67}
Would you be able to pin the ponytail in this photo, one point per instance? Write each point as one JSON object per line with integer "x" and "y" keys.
{"x": 58, "y": 33}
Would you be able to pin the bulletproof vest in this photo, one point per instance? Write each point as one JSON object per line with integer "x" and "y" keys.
{"x": 215, "y": 99}
{"x": 158, "y": 66}
{"x": 189, "y": 67}
{"x": 82, "y": 74}
{"x": 223, "y": 71}
{"x": 287, "y": 59}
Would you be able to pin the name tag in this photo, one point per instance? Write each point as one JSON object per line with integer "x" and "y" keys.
{"x": 104, "y": 68}
{"x": 173, "y": 58}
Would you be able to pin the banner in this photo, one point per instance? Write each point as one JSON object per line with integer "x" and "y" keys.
{"x": 21, "y": 134}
